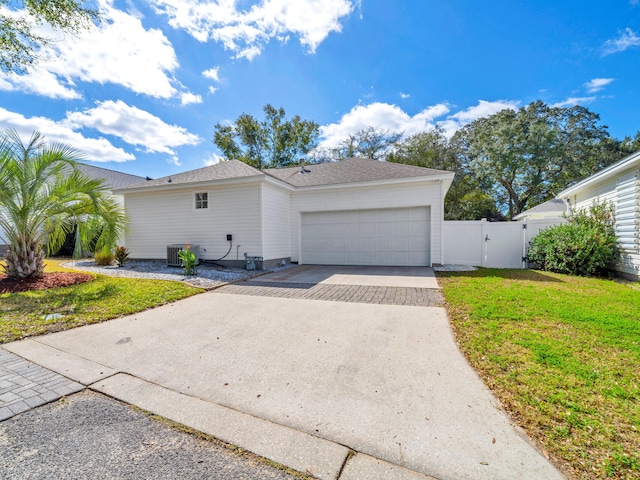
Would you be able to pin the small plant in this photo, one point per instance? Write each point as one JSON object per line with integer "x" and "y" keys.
{"x": 188, "y": 260}
{"x": 586, "y": 245}
{"x": 121, "y": 255}
{"x": 103, "y": 257}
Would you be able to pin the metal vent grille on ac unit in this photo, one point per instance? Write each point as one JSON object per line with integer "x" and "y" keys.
{"x": 173, "y": 259}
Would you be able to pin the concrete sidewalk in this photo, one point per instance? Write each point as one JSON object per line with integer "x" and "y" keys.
{"x": 306, "y": 383}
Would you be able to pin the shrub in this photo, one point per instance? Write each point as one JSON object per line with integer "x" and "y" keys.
{"x": 121, "y": 255}
{"x": 586, "y": 245}
{"x": 188, "y": 261}
{"x": 103, "y": 257}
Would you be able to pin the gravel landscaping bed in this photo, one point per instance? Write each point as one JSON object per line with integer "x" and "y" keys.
{"x": 208, "y": 276}
{"x": 454, "y": 268}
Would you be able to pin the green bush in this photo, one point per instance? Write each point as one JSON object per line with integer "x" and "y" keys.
{"x": 103, "y": 257}
{"x": 586, "y": 245}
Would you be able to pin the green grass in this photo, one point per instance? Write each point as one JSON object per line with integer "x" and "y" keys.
{"x": 104, "y": 298}
{"x": 563, "y": 355}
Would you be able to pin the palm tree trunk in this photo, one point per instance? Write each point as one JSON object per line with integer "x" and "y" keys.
{"x": 25, "y": 261}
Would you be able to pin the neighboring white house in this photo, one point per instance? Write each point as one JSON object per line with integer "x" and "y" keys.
{"x": 620, "y": 184}
{"x": 554, "y": 208}
{"x": 353, "y": 212}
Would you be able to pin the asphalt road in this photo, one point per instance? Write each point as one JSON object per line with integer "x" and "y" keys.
{"x": 88, "y": 435}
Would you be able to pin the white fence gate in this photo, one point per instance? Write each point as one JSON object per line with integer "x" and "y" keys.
{"x": 490, "y": 244}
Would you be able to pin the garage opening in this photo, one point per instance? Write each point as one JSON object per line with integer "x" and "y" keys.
{"x": 384, "y": 236}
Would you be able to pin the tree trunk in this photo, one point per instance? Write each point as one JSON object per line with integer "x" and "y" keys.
{"x": 24, "y": 261}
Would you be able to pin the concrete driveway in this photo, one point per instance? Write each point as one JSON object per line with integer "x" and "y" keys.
{"x": 307, "y": 366}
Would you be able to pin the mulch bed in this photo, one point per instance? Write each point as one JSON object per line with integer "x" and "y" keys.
{"x": 50, "y": 280}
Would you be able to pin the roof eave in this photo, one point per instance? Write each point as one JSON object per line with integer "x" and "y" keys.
{"x": 445, "y": 178}
{"x": 174, "y": 186}
{"x": 601, "y": 175}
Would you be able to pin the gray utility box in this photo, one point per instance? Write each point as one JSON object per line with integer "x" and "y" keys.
{"x": 253, "y": 263}
{"x": 173, "y": 258}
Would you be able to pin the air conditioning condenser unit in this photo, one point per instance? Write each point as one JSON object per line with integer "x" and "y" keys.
{"x": 173, "y": 258}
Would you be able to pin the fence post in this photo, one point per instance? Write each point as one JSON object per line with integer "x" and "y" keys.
{"x": 484, "y": 238}
{"x": 524, "y": 241}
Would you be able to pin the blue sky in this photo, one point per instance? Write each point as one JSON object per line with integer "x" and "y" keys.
{"x": 141, "y": 93}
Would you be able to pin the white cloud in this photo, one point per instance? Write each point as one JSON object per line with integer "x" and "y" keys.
{"x": 381, "y": 115}
{"x": 393, "y": 118}
{"x": 572, "y": 101}
{"x": 212, "y": 74}
{"x": 404, "y": 95}
{"x": 188, "y": 98}
{"x": 134, "y": 126}
{"x": 39, "y": 81}
{"x": 213, "y": 159}
{"x": 94, "y": 149}
{"x": 119, "y": 51}
{"x": 246, "y": 31}
{"x": 627, "y": 39}
{"x": 597, "y": 84}
{"x": 458, "y": 120}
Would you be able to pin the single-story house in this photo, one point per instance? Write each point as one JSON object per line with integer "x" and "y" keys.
{"x": 620, "y": 184}
{"x": 353, "y": 212}
{"x": 554, "y": 208}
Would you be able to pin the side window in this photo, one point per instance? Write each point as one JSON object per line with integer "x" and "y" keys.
{"x": 202, "y": 200}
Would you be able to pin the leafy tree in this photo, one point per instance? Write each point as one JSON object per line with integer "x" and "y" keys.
{"x": 19, "y": 40}
{"x": 272, "y": 142}
{"x": 467, "y": 198}
{"x": 630, "y": 145}
{"x": 534, "y": 152}
{"x": 370, "y": 142}
{"x": 43, "y": 197}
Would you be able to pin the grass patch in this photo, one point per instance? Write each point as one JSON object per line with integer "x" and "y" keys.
{"x": 104, "y": 298}
{"x": 562, "y": 353}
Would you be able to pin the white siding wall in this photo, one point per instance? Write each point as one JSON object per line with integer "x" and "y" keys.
{"x": 158, "y": 219}
{"x": 276, "y": 208}
{"x": 607, "y": 190}
{"x": 371, "y": 197}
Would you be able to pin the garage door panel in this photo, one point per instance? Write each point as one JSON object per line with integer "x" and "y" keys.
{"x": 418, "y": 229}
{"x": 401, "y": 229}
{"x": 384, "y": 228}
{"x": 368, "y": 243}
{"x": 414, "y": 243}
{"x": 397, "y": 236}
{"x": 386, "y": 215}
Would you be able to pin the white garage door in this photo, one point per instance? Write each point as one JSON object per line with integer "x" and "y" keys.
{"x": 389, "y": 236}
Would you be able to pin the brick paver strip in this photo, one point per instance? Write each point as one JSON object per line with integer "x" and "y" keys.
{"x": 422, "y": 297}
{"x": 26, "y": 385}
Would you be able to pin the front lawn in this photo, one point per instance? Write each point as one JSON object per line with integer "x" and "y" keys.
{"x": 563, "y": 355}
{"x": 37, "y": 312}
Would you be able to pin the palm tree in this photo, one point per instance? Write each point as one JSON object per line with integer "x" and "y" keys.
{"x": 43, "y": 197}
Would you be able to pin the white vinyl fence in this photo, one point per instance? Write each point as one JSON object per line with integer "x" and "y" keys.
{"x": 490, "y": 244}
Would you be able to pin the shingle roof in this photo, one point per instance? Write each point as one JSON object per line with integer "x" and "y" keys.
{"x": 220, "y": 171}
{"x": 112, "y": 179}
{"x": 552, "y": 206}
{"x": 351, "y": 170}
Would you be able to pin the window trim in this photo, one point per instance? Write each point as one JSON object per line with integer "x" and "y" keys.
{"x": 201, "y": 203}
